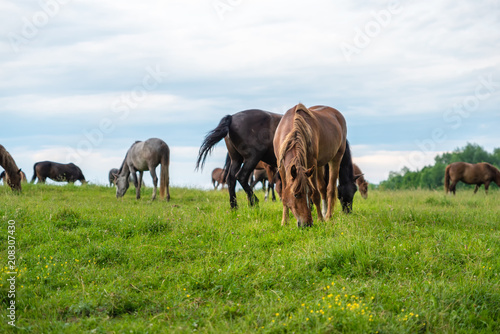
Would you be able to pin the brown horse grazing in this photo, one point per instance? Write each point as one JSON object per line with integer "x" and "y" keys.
{"x": 249, "y": 139}
{"x": 57, "y": 172}
{"x": 361, "y": 182}
{"x": 264, "y": 172}
{"x": 478, "y": 174}
{"x": 304, "y": 142}
{"x": 13, "y": 173}
{"x": 4, "y": 179}
{"x": 218, "y": 178}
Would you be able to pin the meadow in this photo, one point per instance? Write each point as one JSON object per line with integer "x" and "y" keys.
{"x": 402, "y": 262}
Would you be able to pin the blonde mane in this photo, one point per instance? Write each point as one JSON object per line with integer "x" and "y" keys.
{"x": 300, "y": 139}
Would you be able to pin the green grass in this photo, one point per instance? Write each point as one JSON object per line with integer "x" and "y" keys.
{"x": 403, "y": 262}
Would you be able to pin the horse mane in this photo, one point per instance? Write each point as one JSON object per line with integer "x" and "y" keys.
{"x": 126, "y": 155}
{"x": 300, "y": 139}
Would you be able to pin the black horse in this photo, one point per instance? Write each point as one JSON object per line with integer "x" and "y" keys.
{"x": 249, "y": 138}
{"x": 57, "y": 172}
{"x": 347, "y": 180}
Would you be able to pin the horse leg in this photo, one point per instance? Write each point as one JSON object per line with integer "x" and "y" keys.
{"x": 136, "y": 185}
{"x": 316, "y": 196}
{"x": 152, "y": 170}
{"x": 477, "y": 188}
{"x": 231, "y": 182}
{"x": 140, "y": 182}
{"x": 486, "y": 186}
{"x": 266, "y": 191}
{"x": 452, "y": 187}
{"x": 321, "y": 187}
{"x": 243, "y": 175}
{"x": 271, "y": 185}
{"x": 332, "y": 184}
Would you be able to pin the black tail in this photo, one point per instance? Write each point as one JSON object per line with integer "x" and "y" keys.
{"x": 346, "y": 172}
{"x": 34, "y": 173}
{"x": 227, "y": 164}
{"x": 212, "y": 138}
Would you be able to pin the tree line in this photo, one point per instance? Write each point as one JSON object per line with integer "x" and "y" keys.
{"x": 432, "y": 176}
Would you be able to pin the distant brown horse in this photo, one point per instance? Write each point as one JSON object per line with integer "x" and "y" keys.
{"x": 305, "y": 141}
{"x": 478, "y": 174}
{"x": 218, "y": 178}
{"x": 361, "y": 182}
{"x": 264, "y": 172}
{"x": 13, "y": 173}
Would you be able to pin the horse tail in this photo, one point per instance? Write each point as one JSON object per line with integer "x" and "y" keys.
{"x": 447, "y": 179}
{"x": 34, "y": 173}
{"x": 212, "y": 138}
{"x": 164, "y": 176}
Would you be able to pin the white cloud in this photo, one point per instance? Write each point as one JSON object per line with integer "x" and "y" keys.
{"x": 268, "y": 55}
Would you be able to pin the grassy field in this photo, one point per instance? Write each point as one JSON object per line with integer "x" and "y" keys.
{"x": 403, "y": 262}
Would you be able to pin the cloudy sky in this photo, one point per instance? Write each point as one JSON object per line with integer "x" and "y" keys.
{"x": 82, "y": 80}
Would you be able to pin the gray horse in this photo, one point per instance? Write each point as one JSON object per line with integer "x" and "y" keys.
{"x": 141, "y": 156}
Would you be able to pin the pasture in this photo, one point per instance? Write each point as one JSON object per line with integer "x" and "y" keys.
{"x": 402, "y": 262}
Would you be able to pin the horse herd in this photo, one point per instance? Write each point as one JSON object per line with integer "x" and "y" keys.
{"x": 304, "y": 152}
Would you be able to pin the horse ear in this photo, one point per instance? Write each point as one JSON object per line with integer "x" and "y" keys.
{"x": 357, "y": 176}
{"x": 293, "y": 172}
{"x": 19, "y": 171}
{"x": 310, "y": 171}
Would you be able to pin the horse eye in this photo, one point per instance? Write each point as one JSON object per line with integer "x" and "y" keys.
{"x": 298, "y": 195}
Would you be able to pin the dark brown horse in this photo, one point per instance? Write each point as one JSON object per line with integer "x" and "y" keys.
{"x": 249, "y": 139}
{"x": 304, "y": 142}
{"x": 3, "y": 177}
{"x": 478, "y": 174}
{"x": 13, "y": 173}
{"x": 361, "y": 182}
{"x": 218, "y": 178}
{"x": 264, "y": 172}
{"x": 57, "y": 172}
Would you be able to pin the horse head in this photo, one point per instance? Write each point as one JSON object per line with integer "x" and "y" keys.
{"x": 345, "y": 193}
{"x": 363, "y": 189}
{"x": 14, "y": 180}
{"x": 297, "y": 193}
{"x": 122, "y": 184}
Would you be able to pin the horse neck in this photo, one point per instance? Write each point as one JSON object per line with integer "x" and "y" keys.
{"x": 7, "y": 162}
{"x": 124, "y": 169}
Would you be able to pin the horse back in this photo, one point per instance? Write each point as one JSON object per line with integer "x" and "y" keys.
{"x": 251, "y": 134}
{"x": 470, "y": 173}
{"x": 332, "y": 133}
